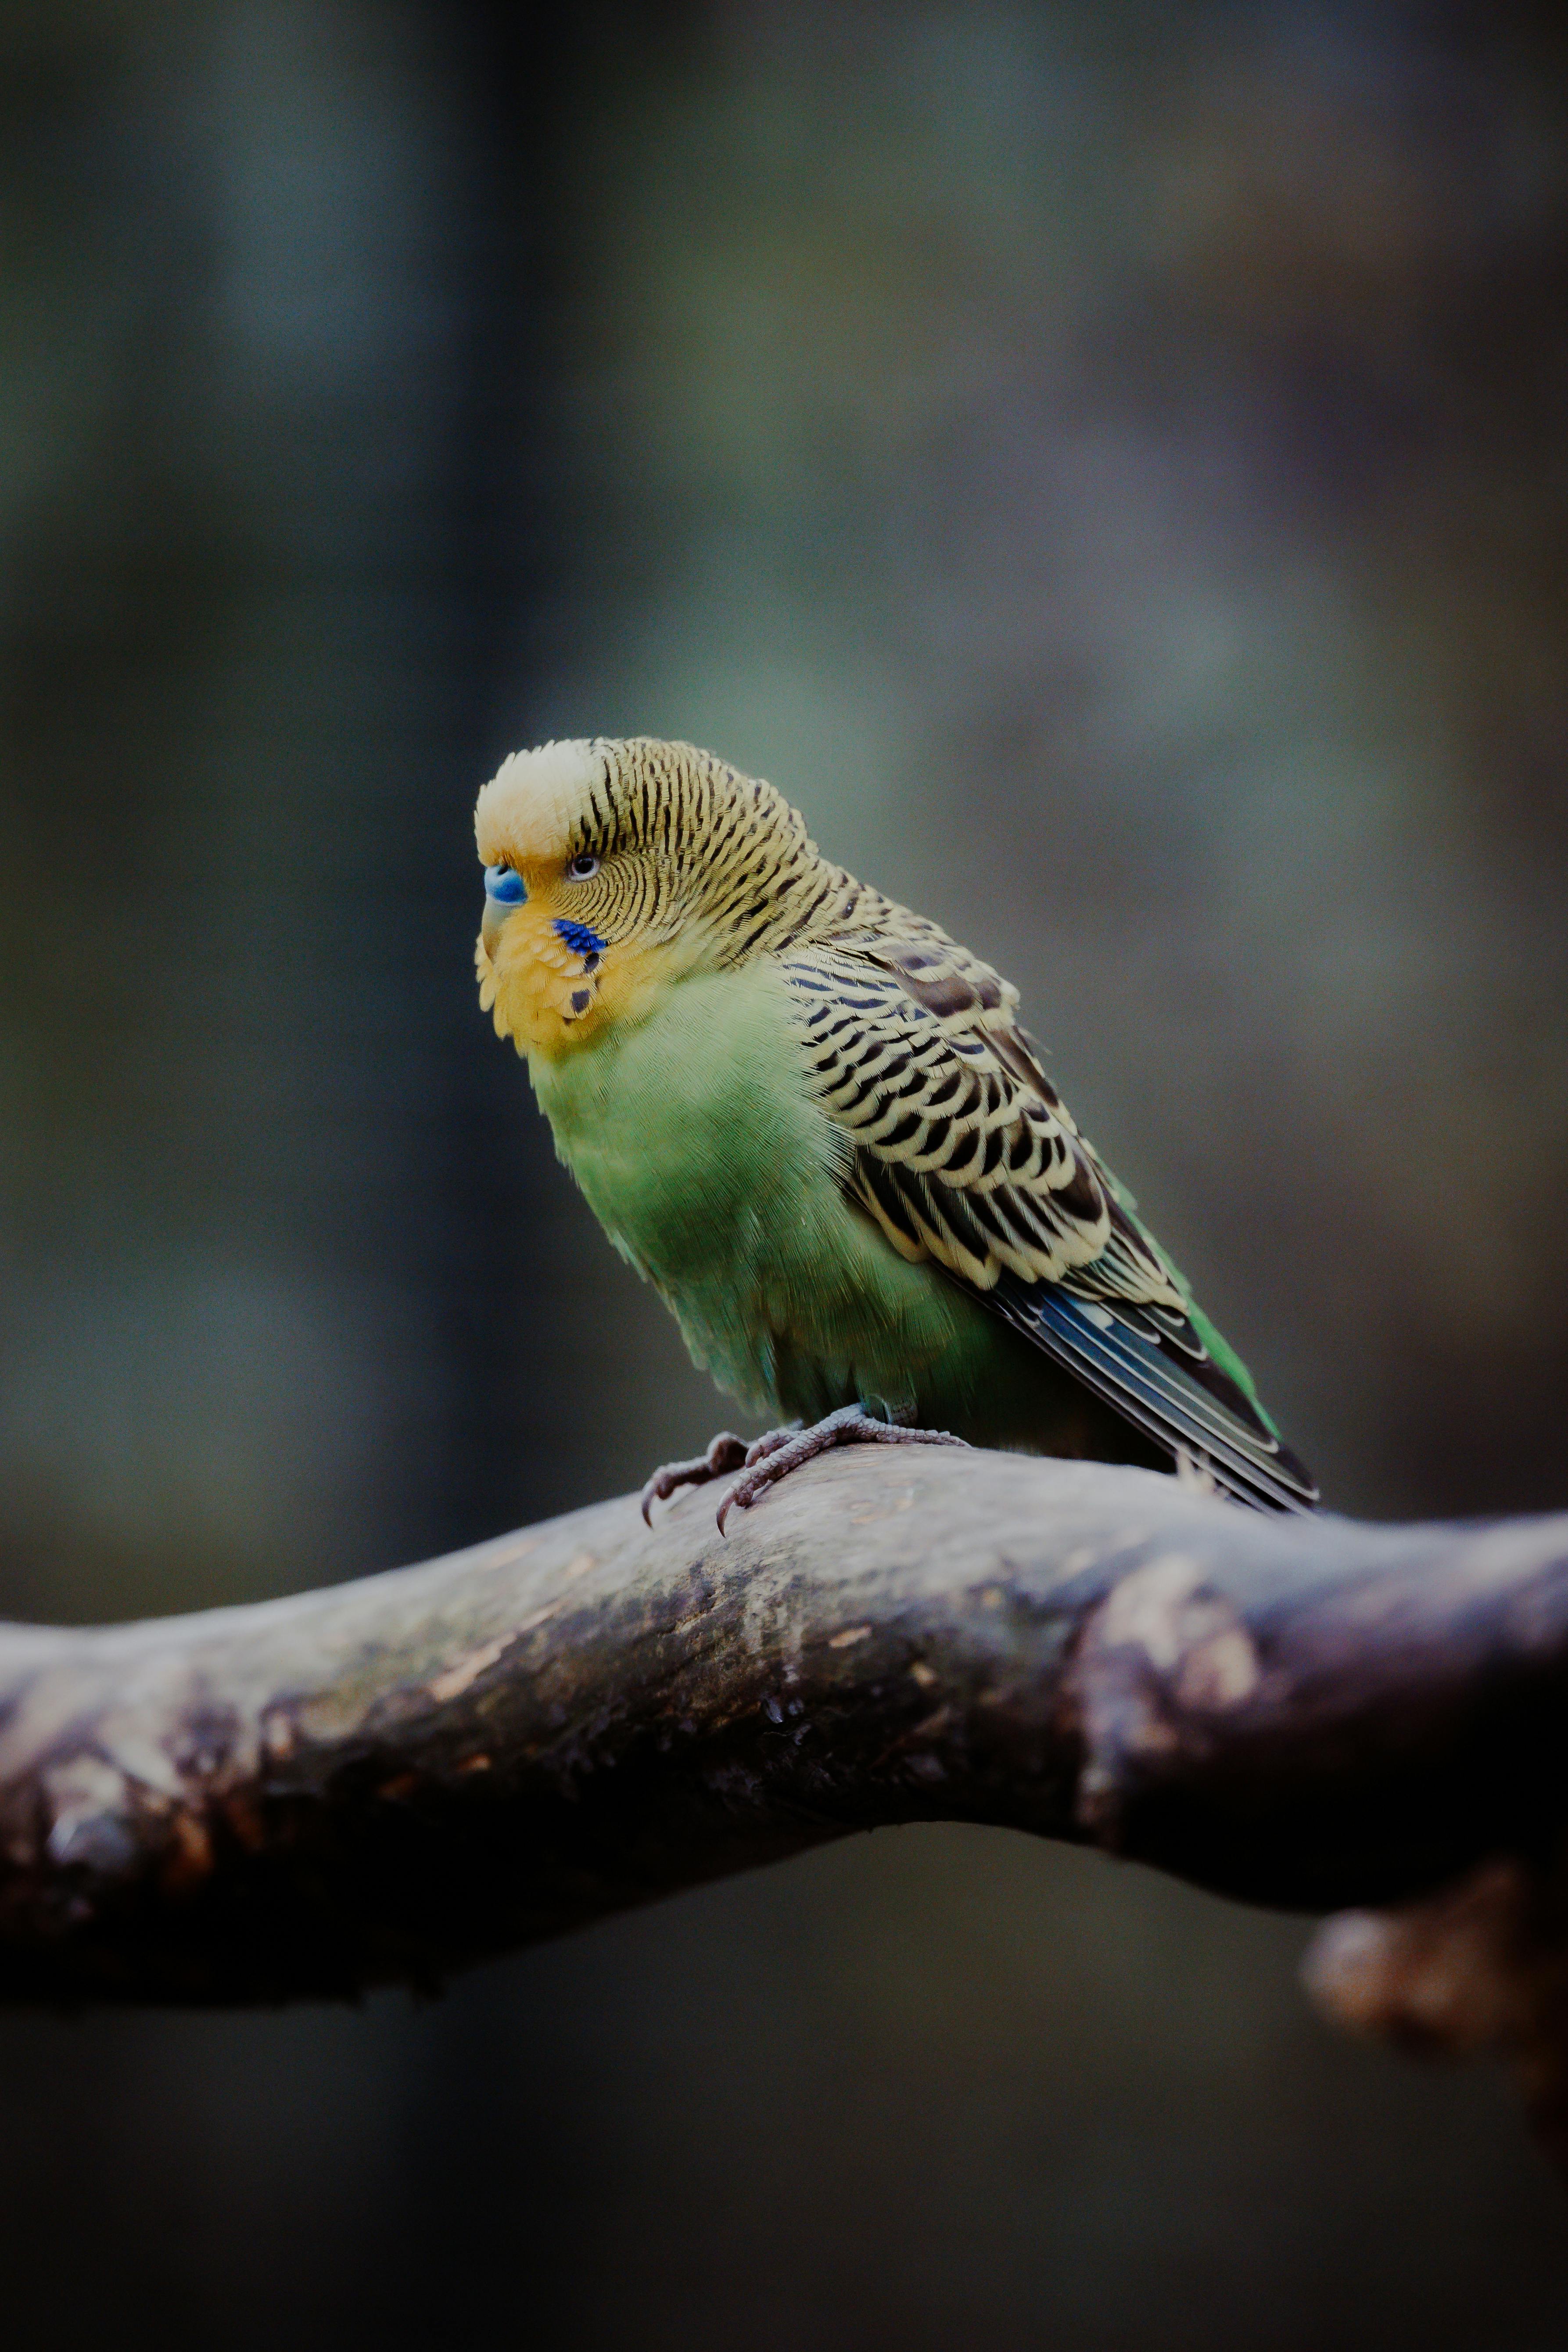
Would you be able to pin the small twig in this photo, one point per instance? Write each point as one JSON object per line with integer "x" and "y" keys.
{"x": 1480, "y": 1969}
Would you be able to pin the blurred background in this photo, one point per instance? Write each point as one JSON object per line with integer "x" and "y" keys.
{"x": 1110, "y": 466}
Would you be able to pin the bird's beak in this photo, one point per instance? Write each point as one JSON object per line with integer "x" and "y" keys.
{"x": 504, "y": 894}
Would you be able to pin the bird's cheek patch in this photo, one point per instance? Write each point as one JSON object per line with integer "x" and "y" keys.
{"x": 582, "y": 941}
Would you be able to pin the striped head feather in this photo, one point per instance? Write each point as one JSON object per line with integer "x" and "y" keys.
{"x": 613, "y": 867}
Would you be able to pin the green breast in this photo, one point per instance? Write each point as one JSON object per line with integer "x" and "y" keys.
{"x": 693, "y": 1139}
{"x": 691, "y": 1136}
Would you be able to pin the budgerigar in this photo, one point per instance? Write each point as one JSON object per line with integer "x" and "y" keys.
{"x": 811, "y": 1120}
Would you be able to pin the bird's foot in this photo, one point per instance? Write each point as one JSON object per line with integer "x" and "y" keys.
{"x": 725, "y": 1453}
{"x": 772, "y": 1457}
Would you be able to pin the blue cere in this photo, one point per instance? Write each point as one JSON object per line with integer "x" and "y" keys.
{"x": 579, "y": 938}
{"x": 502, "y": 883}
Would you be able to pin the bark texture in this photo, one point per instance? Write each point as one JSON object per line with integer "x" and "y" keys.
{"x": 387, "y": 1780}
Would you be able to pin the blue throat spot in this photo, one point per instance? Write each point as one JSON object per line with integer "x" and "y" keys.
{"x": 580, "y": 939}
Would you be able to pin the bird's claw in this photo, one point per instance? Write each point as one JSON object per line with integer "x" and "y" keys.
{"x": 773, "y": 1456}
{"x": 726, "y": 1452}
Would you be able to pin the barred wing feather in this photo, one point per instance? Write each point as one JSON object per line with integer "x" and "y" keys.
{"x": 955, "y": 1141}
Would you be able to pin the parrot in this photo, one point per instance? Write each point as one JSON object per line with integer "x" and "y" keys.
{"x": 814, "y": 1122}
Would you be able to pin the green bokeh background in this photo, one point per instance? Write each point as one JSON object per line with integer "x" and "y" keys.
{"x": 1110, "y": 466}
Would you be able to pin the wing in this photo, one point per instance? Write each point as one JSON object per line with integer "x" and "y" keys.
{"x": 958, "y": 1146}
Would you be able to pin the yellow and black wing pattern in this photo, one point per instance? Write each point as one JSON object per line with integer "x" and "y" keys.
{"x": 955, "y": 1141}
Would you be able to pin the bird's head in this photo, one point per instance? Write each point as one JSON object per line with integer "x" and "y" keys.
{"x": 613, "y": 868}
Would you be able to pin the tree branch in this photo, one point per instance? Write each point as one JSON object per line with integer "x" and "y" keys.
{"x": 387, "y": 1780}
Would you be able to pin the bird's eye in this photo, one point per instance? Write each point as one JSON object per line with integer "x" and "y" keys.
{"x": 504, "y": 884}
{"x": 580, "y": 867}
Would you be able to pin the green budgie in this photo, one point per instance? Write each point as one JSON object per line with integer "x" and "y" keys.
{"x": 811, "y": 1120}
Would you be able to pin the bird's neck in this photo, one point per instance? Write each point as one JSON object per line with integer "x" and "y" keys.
{"x": 811, "y": 902}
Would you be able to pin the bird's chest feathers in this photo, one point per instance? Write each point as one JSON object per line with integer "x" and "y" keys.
{"x": 696, "y": 1144}
{"x": 690, "y": 1130}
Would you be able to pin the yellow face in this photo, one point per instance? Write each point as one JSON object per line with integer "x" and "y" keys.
{"x": 564, "y": 951}
{"x": 554, "y": 981}
{"x": 612, "y": 869}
